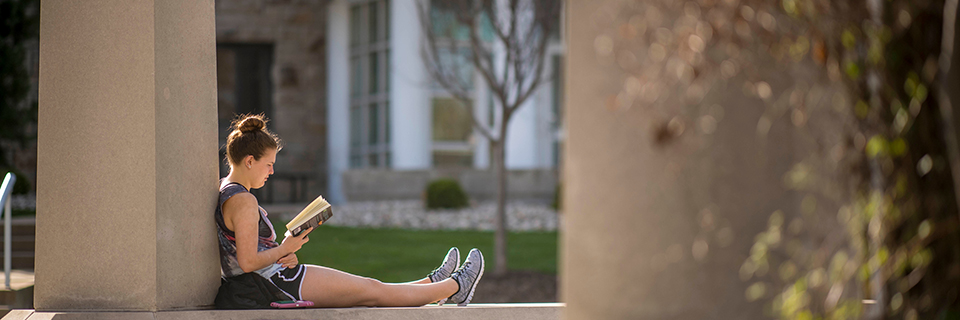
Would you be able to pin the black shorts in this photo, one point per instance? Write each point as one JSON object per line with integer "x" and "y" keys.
{"x": 290, "y": 280}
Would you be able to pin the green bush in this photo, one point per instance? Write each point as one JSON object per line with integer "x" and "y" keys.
{"x": 22, "y": 212}
{"x": 446, "y": 194}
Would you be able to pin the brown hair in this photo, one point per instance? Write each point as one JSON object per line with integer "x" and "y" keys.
{"x": 249, "y": 136}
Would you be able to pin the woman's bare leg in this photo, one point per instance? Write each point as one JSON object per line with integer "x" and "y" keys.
{"x": 421, "y": 281}
{"x": 328, "y": 287}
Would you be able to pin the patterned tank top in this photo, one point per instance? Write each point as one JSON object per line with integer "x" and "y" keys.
{"x": 229, "y": 266}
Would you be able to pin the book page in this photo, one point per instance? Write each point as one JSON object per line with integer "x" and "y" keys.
{"x": 319, "y": 204}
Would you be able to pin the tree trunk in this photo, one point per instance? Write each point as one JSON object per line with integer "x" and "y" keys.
{"x": 948, "y": 98}
{"x": 500, "y": 235}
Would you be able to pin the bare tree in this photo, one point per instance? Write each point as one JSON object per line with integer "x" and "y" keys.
{"x": 510, "y": 62}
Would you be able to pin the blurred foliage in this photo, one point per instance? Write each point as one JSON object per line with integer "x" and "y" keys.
{"x": 445, "y": 194}
{"x": 19, "y": 22}
{"x": 902, "y": 256}
{"x": 873, "y": 230}
{"x": 23, "y": 212}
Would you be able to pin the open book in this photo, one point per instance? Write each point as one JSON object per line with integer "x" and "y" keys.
{"x": 313, "y": 215}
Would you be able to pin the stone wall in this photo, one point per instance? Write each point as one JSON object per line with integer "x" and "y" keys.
{"x": 366, "y": 185}
{"x": 297, "y": 31}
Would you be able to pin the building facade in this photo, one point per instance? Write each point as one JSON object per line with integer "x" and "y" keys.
{"x": 271, "y": 60}
{"x": 391, "y": 129}
{"x": 346, "y": 88}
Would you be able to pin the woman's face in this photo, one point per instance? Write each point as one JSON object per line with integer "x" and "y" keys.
{"x": 261, "y": 169}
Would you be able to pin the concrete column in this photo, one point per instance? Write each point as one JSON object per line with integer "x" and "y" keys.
{"x": 127, "y": 156}
{"x": 338, "y": 97}
{"x": 521, "y": 145}
{"x": 410, "y": 141}
{"x": 660, "y": 217}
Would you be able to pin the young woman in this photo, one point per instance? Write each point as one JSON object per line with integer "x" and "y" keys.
{"x": 248, "y": 241}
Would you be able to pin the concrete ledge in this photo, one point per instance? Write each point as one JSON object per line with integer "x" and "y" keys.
{"x": 506, "y": 311}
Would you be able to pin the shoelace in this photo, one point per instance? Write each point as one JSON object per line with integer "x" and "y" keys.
{"x": 437, "y": 270}
{"x": 466, "y": 264}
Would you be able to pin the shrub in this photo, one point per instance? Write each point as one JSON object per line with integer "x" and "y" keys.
{"x": 446, "y": 194}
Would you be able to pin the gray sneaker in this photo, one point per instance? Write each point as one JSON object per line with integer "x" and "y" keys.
{"x": 467, "y": 277}
{"x": 446, "y": 268}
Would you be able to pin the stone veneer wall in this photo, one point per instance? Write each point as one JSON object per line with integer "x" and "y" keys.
{"x": 297, "y": 31}
{"x": 370, "y": 185}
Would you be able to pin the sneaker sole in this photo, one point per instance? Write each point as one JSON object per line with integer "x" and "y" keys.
{"x": 475, "y": 281}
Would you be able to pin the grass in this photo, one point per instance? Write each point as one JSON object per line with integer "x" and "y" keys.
{"x": 397, "y": 255}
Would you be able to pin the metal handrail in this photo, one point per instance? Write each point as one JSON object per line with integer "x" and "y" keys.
{"x": 5, "y": 191}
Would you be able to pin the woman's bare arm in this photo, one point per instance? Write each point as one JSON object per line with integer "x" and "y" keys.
{"x": 241, "y": 213}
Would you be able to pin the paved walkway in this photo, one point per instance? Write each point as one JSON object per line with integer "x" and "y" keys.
{"x": 19, "y": 279}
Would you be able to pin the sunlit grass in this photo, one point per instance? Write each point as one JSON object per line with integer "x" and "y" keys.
{"x": 396, "y": 255}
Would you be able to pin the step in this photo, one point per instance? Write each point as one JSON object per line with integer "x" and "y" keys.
{"x": 18, "y": 260}
{"x": 21, "y": 225}
{"x": 21, "y": 243}
{"x": 20, "y": 294}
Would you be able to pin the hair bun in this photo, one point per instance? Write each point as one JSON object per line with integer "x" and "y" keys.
{"x": 251, "y": 123}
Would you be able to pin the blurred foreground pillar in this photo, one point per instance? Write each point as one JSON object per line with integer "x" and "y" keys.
{"x": 662, "y": 203}
{"x": 127, "y": 156}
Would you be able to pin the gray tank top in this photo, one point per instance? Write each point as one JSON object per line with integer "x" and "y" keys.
{"x": 229, "y": 266}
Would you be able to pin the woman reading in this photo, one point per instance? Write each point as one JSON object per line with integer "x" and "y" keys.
{"x": 248, "y": 241}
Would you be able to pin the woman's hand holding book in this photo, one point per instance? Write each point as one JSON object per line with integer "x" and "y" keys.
{"x": 293, "y": 243}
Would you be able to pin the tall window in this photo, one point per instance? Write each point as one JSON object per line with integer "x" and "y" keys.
{"x": 452, "y": 130}
{"x": 369, "y": 84}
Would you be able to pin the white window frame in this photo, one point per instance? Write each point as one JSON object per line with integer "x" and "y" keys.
{"x": 370, "y": 142}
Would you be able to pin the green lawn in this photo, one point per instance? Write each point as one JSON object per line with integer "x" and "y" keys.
{"x": 395, "y": 255}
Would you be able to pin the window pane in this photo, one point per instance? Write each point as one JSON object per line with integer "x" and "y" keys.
{"x": 445, "y": 24}
{"x": 386, "y": 115}
{"x": 386, "y": 71}
{"x": 465, "y": 66}
{"x": 451, "y": 122}
{"x": 372, "y": 19}
{"x": 386, "y": 23}
{"x": 355, "y": 161}
{"x": 355, "y": 24}
{"x": 452, "y": 159}
{"x": 459, "y": 60}
{"x": 356, "y": 127}
{"x": 373, "y": 124}
{"x": 374, "y": 69}
{"x": 356, "y": 77}
{"x": 373, "y": 160}
{"x": 486, "y": 28}
{"x": 557, "y": 90}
